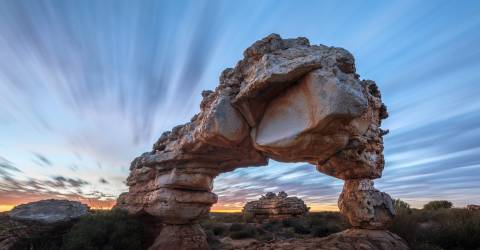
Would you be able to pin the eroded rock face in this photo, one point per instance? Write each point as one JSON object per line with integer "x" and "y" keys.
{"x": 365, "y": 206}
{"x": 49, "y": 211}
{"x": 275, "y": 207}
{"x": 286, "y": 100}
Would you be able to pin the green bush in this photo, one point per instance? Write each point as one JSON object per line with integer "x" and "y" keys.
{"x": 105, "y": 230}
{"x": 434, "y": 205}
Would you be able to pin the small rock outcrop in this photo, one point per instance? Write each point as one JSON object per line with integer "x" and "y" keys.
{"x": 49, "y": 211}
{"x": 473, "y": 207}
{"x": 275, "y": 207}
{"x": 286, "y": 100}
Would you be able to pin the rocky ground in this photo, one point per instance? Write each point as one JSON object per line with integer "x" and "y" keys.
{"x": 422, "y": 229}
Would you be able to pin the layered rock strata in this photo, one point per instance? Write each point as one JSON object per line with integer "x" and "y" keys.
{"x": 285, "y": 100}
{"x": 274, "y": 207}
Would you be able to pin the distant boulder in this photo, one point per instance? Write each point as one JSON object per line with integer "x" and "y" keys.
{"x": 275, "y": 207}
{"x": 473, "y": 207}
{"x": 49, "y": 211}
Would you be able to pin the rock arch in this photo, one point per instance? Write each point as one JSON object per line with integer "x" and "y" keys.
{"x": 285, "y": 100}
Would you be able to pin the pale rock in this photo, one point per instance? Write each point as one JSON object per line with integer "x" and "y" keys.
{"x": 49, "y": 211}
{"x": 365, "y": 206}
{"x": 303, "y": 123}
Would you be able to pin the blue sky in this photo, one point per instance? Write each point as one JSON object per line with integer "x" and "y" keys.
{"x": 85, "y": 86}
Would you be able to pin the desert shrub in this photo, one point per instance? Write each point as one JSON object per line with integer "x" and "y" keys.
{"x": 212, "y": 240}
{"x": 405, "y": 225}
{"x": 439, "y": 229}
{"x": 105, "y": 230}
{"x": 241, "y": 235}
{"x": 285, "y": 234}
{"x": 242, "y": 231}
{"x": 325, "y": 230}
{"x": 265, "y": 237}
{"x": 219, "y": 230}
{"x": 401, "y": 205}
{"x": 273, "y": 226}
{"x": 299, "y": 225}
{"x": 225, "y": 217}
{"x": 434, "y": 205}
{"x": 427, "y": 246}
{"x": 235, "y": 227}
{"x": 38, "y": 236}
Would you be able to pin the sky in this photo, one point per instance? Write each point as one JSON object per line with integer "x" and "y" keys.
{"x": 86, "y": 86}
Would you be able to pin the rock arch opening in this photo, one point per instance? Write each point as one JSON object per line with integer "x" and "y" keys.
{"x": 285, "y": 100}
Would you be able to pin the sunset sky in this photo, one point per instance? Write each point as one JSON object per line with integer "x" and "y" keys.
{"x": 85, "y": 86}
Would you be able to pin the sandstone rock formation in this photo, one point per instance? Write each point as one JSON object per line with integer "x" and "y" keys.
{"x": 275, "y": 207}
{"x": 286, "y": 100}
{"x": 49, "y": 211}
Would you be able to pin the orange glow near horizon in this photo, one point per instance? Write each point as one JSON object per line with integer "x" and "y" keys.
{"x": 226, "y": 208}
{"x": 92, "y": 203}
{"x": 4, "y": 208}
{"x": 108, "y": 204}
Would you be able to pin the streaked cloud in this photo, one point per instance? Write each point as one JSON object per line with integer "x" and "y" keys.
{"x": 85, "y": 86}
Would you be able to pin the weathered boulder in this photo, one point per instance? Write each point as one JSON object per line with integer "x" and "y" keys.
{"x": 274, "y": 207}
{"x": 48, "y": 220}
{"x": 365, "y": 206}
{"x": 49, "y": 211}
{"x": 286, "y": 100}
